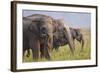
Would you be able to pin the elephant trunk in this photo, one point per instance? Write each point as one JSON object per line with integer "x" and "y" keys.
{"x": 71, "y": 45}
{"x": 46, "y": 49}
{"x": 69, "y": 39}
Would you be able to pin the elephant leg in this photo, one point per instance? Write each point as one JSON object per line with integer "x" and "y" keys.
{"x": 41, "y": 51}
{"x": 28, "y": 53}
{"x": 35, "y": 46}
{"x": 46, "y": 49}
{"x": 44, "y": 52}
{"x": 23, "y": 55}
{"x": 69, "y": 39}
{"x": 74, "y": 44}
{"x": 81, "y": 41}
{"x": 82, "y": 44}
{"x": 25, "y": 46}
{"x": 71, "y": 48}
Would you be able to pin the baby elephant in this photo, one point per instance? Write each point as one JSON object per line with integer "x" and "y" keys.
{"x": 77, "y": 34}
{"x": 61, "y": 39}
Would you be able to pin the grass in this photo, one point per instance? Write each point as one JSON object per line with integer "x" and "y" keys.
{"x": 64, "y": 52}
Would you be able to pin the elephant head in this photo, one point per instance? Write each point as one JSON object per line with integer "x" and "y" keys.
{"x": 63, "y": 32}
{"x": 41, "y": 24}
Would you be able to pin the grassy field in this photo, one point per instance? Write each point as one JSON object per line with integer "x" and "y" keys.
{"x": 64, "y": 52}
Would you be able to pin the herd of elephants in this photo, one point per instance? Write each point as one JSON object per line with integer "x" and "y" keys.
{"x": 43, "y": 33}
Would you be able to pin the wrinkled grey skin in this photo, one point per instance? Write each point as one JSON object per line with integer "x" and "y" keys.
{"x": 36, "y": 39}
{"x": 63, "y": 36}
{"x": 60, "y": 39}
{"x": 37, "y": 35}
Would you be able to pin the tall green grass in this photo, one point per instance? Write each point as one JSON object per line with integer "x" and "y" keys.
{"x": 64, "y": 52}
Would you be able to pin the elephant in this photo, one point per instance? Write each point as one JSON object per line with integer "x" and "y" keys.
{"x": 77, "y": 34}
{"x": 37, "y": 35}
{"x": 63, "y": 36}
{"x": 60, "y": 38}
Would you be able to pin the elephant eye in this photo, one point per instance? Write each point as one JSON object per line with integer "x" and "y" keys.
{"x": 43, "y": 29}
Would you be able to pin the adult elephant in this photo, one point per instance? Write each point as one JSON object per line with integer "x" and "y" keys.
{"x": 62, "y": 36}
{"x": 37, "y": 35}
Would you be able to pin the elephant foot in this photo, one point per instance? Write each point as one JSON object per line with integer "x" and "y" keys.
{"x": 28, "y": 53}
{"x": 47, "y": 56}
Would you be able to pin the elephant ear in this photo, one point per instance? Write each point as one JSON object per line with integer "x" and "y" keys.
{"x": 33, "y": 28}
{"x": 30, "y": 28}
{"x": 55, "y": 25}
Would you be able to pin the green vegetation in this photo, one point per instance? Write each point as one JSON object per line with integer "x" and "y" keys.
{"x": 64, "y": 52}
